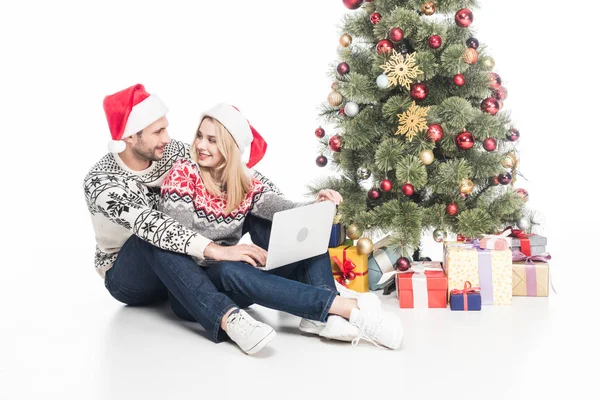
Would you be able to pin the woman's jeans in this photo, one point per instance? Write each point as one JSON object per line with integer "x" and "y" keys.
{"x": 143, "y": 273}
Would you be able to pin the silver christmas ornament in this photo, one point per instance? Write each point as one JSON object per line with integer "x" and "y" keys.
{"x": 363, "y": 173}
{"x": 439, "y": 235}
{"x": 523, "y": 223}
{"x": 382, "y": 81}
{"x": 351, "y": 109}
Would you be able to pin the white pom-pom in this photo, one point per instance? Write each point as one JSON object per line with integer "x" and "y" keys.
{"x": 116, "y": 146}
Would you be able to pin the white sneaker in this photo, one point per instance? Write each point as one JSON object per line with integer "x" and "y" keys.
{"x": 251, "y": 335}
{"x": 351, "y": 294}
{"x": 339, "y": 328}
{"x": 377, "y": 326}
{"x": 311, "y": 326}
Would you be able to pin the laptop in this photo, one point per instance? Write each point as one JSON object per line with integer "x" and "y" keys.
{"x": 299, "y": 233}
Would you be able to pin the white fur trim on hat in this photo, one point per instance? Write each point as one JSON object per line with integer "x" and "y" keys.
{"x": 144, "y": 114}
{"x": 116, "y": 146}
{"x": 235, "y": 123}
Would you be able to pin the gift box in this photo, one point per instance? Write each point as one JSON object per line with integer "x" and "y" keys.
{"x": 424, "y": 285}
{"x": 349, "y": 267}
{"x": 466, "y": 299}
{"x": 491, "y": 270}
{"x": 528, "y": 244}
{"x": 338, "y": 235}
{"x": 381, "y": 261}
{"x": 531, "y": 274}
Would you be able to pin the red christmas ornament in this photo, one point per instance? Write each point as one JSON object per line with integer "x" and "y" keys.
{"x": 452, "y": 209}
{"x": 513, "y": 135}
{"x": 402, "y": 264}
{"x": 435, "y": 41}
{"x": 463, "y": 17}
{"x": 396, "y": 34}
{"x": 373, "y": 194}
{"x": 419, "y": 91}
{"x": 343, "y": 68}
{"x": 342, "y": 112}
{"x": 459, "y": 79}
{"x": 385, "y": 185}
{"x": 465, "y": 140}
{"x": 490, "y": 106}
{"x": 353, "y": 4}
{"x": 494, "y": 181}
{"x": 523, "y": 194}
{"x": 321, "y": 161}
{"x": 335, "y": 143}
{"x": 505, "y": 178}
{"x": 375, "y": 18}
{"x": 460, "y": 238}
{"x": 435, "y": 132}
{"x": 495, "y": 80}
{"x": 500, "y": 94}
{"x": 408, "y": 189}
{"x": 490, "y": 144}
{"x": 319, "y": 132}
{"x": 384, "y": 46}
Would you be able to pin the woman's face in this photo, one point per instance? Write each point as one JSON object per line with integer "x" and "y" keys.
{"x": 205, "y": 145}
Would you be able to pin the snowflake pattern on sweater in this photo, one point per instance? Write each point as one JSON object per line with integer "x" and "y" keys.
{"x": 185, "y": 198}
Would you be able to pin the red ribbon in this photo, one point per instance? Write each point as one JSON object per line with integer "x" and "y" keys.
{"x": 523, "y": 238}
{"x": 346, "y": 269}
{"x": 465, "y": 292}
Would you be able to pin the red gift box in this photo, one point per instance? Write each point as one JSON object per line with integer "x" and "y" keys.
{"x": 422, "y": 285}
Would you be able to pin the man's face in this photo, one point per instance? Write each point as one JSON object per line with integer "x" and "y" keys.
{"x": 150, "y": 145}
{"x": 205, "y": 145}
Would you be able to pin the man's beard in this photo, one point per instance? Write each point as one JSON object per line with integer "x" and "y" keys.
{"x": 148, "y": 154}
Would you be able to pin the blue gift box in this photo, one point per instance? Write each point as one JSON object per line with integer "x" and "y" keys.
{"x": 338, "y": 235}
{"x": 457, "y": 302}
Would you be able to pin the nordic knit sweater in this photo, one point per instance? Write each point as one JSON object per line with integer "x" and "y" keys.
{"x": 185, "y": 198}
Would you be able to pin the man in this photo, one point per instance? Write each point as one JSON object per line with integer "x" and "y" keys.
{"x": 142, "y": 254}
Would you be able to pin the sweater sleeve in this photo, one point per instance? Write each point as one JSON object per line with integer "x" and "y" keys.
{"x": 121, "y": 200}
{"x": 267, "y": 199}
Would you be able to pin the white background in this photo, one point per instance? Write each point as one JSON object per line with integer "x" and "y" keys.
{"x": 60, "y": 58}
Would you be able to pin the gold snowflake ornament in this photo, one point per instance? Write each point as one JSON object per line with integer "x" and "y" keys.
{"x": 401, "y": 71}
{"x": 412, "y": 121}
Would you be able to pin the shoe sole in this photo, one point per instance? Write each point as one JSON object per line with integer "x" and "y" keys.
{"x": 310, "y": 329}
{"x": 264, "y": 341}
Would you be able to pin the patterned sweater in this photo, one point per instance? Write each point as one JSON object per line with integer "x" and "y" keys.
{"x": 185, "y": 198}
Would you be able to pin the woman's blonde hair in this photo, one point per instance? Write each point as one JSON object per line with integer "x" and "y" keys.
{"x": 230, "y": 175}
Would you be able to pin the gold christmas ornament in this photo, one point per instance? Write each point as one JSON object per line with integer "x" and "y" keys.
{"x": 401, "y": 71}
{"x": 466, "y": 186}
{"x": 353, "y": 232}
{"x": 470, "y": 56}
{"x": 412, "y": 121}
{"x": 426, "y": 156}
{"x": 428, "y": 8}
{"x": 489, "y": 63}
{"x": 510, "y": 161}
{"x": 345, "y": 40}
{"x": 364, "y": 246}
{"x": 335, "y": 98}
{"x": 335, "y": 86}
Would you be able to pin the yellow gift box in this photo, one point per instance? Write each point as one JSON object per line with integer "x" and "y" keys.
{"x": 489, "y": 269}
{"x": 349, "y": 267}
{"x": 530, "y": 279}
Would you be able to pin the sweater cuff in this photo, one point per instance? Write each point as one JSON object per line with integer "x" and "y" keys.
{"x": 197, "y": 245}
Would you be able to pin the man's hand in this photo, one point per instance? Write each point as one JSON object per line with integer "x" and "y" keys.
{"x": 249, "y": 253}
{"x": 330, "y": 194}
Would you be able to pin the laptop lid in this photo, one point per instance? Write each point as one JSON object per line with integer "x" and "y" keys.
{"x": 300, "y": 233}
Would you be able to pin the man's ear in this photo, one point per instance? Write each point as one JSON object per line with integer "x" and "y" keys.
{"x": 130, "y": 139}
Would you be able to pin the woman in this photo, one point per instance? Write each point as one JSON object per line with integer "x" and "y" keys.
{"x": 215, "y": 192}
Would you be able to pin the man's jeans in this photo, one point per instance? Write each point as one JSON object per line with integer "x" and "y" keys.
{"x": 143, "y": 273}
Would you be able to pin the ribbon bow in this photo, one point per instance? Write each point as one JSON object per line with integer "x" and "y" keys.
{"x": 518, "y": 256}
{"x": 346, "y": 267}
{"x": 523, "y": 238}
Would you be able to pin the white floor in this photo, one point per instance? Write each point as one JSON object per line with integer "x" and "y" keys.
{"x": 66, "y": 340}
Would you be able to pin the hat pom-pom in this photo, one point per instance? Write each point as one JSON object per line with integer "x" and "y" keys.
{"x": 116, "y": 146}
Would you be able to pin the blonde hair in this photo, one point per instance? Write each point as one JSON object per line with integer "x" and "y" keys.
{"x": 230, "y": 175}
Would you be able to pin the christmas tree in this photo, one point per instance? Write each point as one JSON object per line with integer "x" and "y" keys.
{"x": 415, "y": 130}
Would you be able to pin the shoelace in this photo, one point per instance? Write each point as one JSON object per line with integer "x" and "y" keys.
{"x": 368, "y": 333}
{"x": 241, "y": 324}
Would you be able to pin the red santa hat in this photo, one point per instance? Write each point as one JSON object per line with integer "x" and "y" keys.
{"x": 243, "y": 133}
{"x": 128, "y": 112}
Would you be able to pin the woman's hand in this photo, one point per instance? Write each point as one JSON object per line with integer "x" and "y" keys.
{"x": 329, "y": 194}
{"x": 249, "y": 253}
